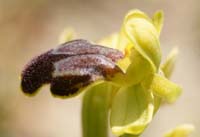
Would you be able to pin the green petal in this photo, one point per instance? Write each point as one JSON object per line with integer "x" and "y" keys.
{"x": 135, "y": 73}
{"x": 138, "y": 69}
{"x": 158, "y": 20}
{"x": 139, "y": 32}
{"x": 95, "y": 106}
{"x": 181, "y": 131}
{"x": 131, "y": 111}
{"x": 165, "y": 88}
{"x": 169, "y": 64}
{"x": 157, "y": 103}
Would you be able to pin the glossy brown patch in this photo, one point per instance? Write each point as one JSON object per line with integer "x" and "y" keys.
{"x": 68, "y": 85}
{"x": 82, "y": 47}
{"x": 70, "y": 67}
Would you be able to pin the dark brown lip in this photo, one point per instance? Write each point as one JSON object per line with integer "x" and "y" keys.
{"x": 71, "y": 66}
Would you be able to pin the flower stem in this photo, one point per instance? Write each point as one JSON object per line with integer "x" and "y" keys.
{"x": 129, "y": 135}
{"x": 95, "y": 107}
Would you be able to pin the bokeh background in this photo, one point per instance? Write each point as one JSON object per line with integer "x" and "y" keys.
{"x": 29, "y": 27}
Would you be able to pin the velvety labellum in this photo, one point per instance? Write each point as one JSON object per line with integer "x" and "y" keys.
{"x": 71, "y": 66}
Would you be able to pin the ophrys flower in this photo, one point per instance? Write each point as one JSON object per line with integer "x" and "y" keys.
{"x": 121, "y": 74}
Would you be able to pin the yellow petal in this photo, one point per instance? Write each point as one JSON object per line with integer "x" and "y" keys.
{"x": 165, "y": 88}
{"x": 157, "y": 103}
{"x": 139, "y": 32}
{"x": 158, "y": 20}
{"x": 135, "y": 71}
{"x": 131, "y": 111}
{"x": 181, "y": 131}
{"x": 169, "y": 64}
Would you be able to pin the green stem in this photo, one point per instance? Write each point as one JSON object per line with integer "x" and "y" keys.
{"x": 129, "y": 135}
{"x": 95, "y": 110}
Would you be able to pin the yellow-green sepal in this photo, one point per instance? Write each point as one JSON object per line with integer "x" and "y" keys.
{"x": 131, "y": 111}
{"x": 165, "y": 89}
{"x": 139, "y": 32}
{"x": 135, "y": 72}
{"x": 181, "y": 131}
{"x": 168, "y": 66}
{"x": 158, "y": 19}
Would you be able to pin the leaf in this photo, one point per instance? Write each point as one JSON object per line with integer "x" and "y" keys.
{"x": 131, "y": 111}
{"x": 165, "y": 89}
{"x": 181, "y": 131}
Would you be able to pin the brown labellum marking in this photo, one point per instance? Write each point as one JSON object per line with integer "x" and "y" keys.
{"x": 78, "y": 71}
{"x": 82, "y": 47}
{"x": 38, "y": 71}
{"x": 68, "y": 85}
{"x": 73, "y": 65}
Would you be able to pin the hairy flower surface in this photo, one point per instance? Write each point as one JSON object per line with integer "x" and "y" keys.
{"x": 70, "y": 67}
{"x": 127, "y": 66}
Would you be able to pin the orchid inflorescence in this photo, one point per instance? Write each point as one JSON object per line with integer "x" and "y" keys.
{"x": 121, "y": 76}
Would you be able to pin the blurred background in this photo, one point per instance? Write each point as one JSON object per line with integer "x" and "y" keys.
{"x": 29, "y": 27}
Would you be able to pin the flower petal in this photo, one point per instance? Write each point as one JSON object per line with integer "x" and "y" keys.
{"x": 181, "y": 131}
{"x": 158, "y": 20}
{"x": 169, "y": 64}
{"x": 72, "y": 66}
{"x": 75, "y": 72}
{"x": 131, "y": 111}
{"x": 139, "y": 32}
{"x": 137, "y": 70}
{"x": 165, "y": 88}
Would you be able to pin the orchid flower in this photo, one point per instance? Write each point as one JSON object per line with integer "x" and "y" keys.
{"x": 144, "y": 84}
{"x": 120, "y": 74}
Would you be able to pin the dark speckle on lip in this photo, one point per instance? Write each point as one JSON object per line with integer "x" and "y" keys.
{"x": 71, "y": 66}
